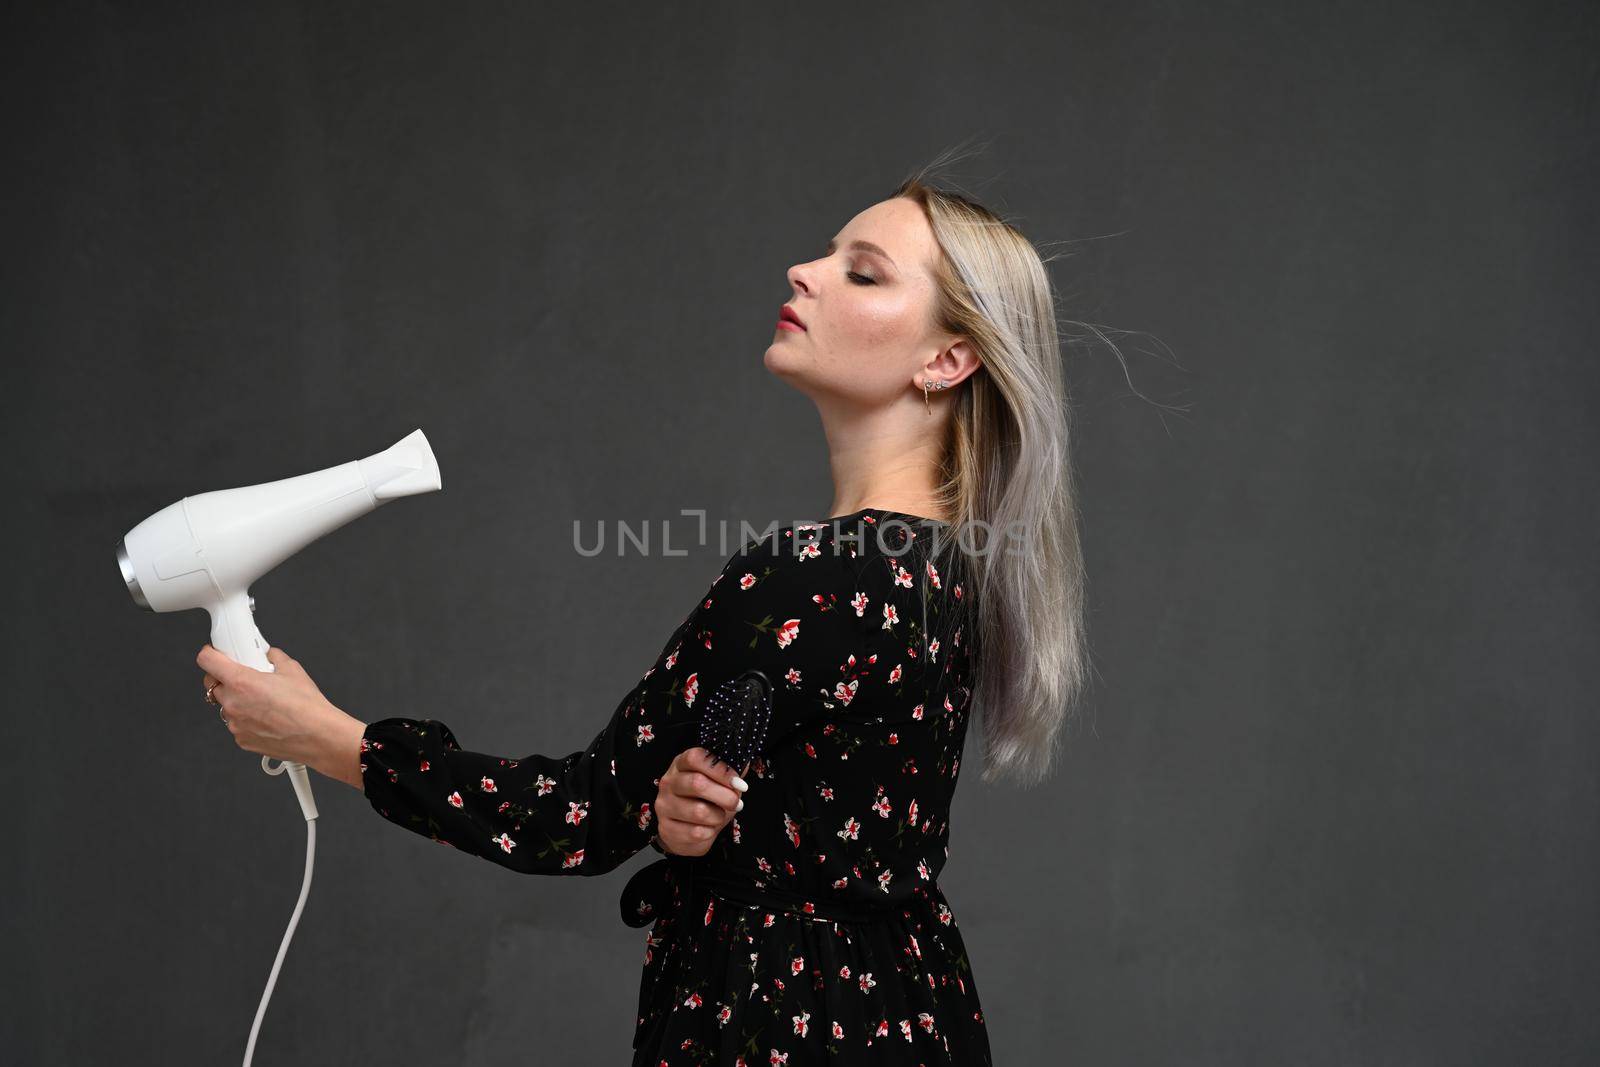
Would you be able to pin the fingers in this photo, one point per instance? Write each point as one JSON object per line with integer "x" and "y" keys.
{"x": 219, "y": 663}
{"x": 214, "y": 661}
{"x": 686, "y": 839}
{"x": 696, "y": 813}
{"x": 698, "y": 759}
{"x": 695, "y": 785}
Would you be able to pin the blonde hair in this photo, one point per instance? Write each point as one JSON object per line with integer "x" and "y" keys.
{"x": 1006, "y": 468}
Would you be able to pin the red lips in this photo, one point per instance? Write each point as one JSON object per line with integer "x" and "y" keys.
{"x": 786, "y": 314}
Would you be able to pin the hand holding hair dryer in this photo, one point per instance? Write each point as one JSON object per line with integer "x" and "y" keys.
{"x": 205, "y": 551}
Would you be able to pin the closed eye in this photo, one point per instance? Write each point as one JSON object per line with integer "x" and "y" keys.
{"x": 860, "y": 279}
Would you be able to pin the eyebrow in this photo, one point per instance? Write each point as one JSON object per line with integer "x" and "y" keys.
{"x": 865, "y": 246}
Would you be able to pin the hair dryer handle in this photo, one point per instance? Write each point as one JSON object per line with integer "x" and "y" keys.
{"x": 234, "y": 632}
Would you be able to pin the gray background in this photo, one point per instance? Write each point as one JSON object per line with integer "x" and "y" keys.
{"x": 1336, "y": 797}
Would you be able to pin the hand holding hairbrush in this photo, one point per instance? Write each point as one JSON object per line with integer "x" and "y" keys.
{"x": 734, "y": 718}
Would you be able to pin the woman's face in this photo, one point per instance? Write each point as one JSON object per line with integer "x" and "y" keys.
{"x": 866, "y": 312}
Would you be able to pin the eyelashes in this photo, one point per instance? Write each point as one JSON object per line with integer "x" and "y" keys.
{"x": 855, "y": 277}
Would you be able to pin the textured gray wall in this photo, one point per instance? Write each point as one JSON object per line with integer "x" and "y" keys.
{"x": 1339, "y": 802}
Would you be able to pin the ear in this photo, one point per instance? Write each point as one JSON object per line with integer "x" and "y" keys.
{"x": 954, "y": 363}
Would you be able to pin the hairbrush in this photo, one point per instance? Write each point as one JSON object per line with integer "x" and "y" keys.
{"x": 733, "y": 721}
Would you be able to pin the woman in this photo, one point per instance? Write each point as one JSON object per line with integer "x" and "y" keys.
{"x": 797, "y": 917}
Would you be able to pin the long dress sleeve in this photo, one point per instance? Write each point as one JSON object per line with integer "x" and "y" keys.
{"x": 583, "y": 813}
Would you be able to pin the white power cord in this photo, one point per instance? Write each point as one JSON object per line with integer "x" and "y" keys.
{"x": 294, "y": 920}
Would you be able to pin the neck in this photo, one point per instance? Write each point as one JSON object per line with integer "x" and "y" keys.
{"x": 886, "y": 458}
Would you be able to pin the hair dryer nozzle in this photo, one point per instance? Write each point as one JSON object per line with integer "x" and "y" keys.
{"x": 404, "y": 469}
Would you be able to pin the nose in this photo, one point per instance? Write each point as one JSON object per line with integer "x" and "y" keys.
{"x": 797, "y": 278}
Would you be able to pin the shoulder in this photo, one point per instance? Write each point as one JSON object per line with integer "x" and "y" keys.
{"x": 851, "y": 573}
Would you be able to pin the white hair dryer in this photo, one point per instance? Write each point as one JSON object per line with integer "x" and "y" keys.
{"x": 205, "y": 551}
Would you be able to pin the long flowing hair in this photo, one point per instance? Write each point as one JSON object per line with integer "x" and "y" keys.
{"x": 1006, "y": 473}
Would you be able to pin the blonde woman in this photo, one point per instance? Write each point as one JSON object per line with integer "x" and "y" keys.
{"x": 797, "y": 916}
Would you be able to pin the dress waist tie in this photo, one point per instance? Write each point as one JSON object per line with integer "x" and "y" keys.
{"x": 671, "y": 884}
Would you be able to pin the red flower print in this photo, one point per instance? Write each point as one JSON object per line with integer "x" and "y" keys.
{"x": 646, "y": 733}
{"x": 901, "y": 575}
{"x": 747, "y": 581}
{"x": 844, "y": 692}
{"x": 894, "y": 675}
{"x": 576, "y": 810}
{"x": 881, "y": 806}
{"x": 859, "y": 602}
{"x": 692, "y": 1000}
{"x": 883, "y": 880}
{"x": 800, "y": 1023}
{"x": 792, "y": 676}
{"x": 486, "y": 784}
{"x": 890, "y": 616}
{"x": 422, "y": 765}
{"x": 788, "y": 632}
{"x": 933, "y": 574}
{"x": 851, "y": 831}
{"x": 573, "y": 859}
{"x": 544, "y": 784}
{"x": 797, "y": 965}
{"x": 505, "y": 842}
{"x": 455, "y": 800}
{"x": 933, "y": 650}
{"x": 691, "y": 686}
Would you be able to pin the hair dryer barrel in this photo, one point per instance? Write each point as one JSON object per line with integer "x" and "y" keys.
{"x": 206, "y": 550}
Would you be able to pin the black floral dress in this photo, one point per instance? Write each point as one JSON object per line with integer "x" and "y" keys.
{"x": 814, "y": 929}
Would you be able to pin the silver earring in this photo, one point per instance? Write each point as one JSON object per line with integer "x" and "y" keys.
{"x": 926, "y": 385}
